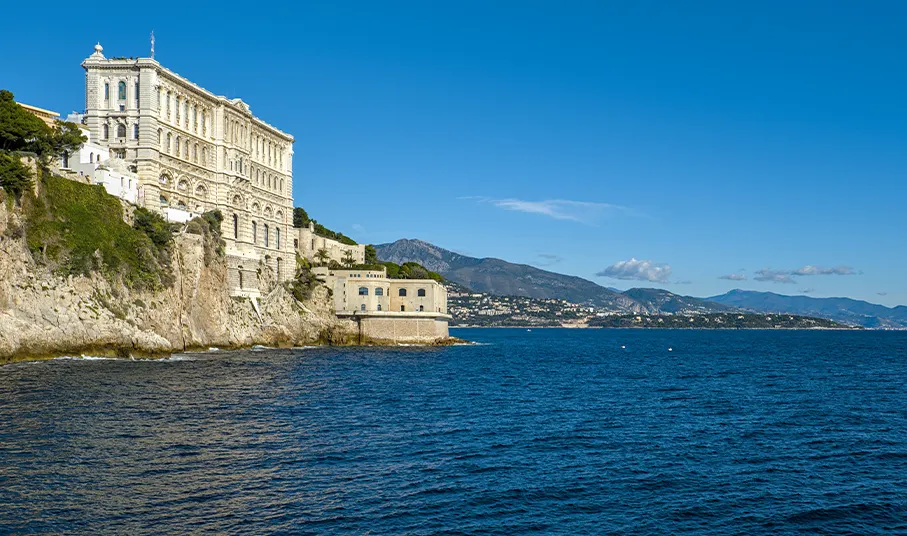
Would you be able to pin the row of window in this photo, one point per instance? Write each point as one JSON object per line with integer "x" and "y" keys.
{"x": 121, "y": 131}
{"x": 402, "y": 308}
{"x": 191, "y": 118}
{"x": 182, "y": 148}
{"x": 121, "y": 92}
{"x": 266, "y": 235}
{"x": 363, "y": 291}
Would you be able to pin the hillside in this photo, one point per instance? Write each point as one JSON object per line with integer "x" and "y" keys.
{"x": 845, "y": 310}
{"x": 503, "y": 278}
{"x": 655, "y": 300}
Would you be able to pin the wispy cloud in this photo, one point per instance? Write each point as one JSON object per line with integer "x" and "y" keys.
{"x": 733, "y": 277}
{"x": 684, "y": 282}
{"x": 882, "y": 293}
{"x": 787, "y": 276}
{"x": 807, "y": 290}
{"x": 559, "y": 209}
{"x": 638, "y": 270}
{"x": 548, "y": 259}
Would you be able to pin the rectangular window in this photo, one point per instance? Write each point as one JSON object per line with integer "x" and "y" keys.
{"x": 136, "y": 94}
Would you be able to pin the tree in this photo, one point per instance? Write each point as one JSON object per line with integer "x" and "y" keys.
{"x": 322, "y": 256}
{"x": 371, "y": 255}
{"x": 300, "y": 217}
{"x": 23, "y": 131}
{"x": 20, "y": 130}
{"x": 15, "y": 177}
{"x": 348, "y": 259}
{"x": 66, "y": 138}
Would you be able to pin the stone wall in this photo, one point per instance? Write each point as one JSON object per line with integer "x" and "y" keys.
{"x": 402, "y": 329}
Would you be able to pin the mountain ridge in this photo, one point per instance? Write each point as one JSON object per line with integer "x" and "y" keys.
{"x": 848, "y": 310}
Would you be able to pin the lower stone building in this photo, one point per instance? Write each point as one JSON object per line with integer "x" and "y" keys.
{"x": 308, "y": 244}
{"x": 389, "y": 310}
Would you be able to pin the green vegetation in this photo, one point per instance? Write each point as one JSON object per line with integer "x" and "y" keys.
{"x": 208, "y": 226}
{"x": 15, "y": 177}
{"x": 22, "y": 131}
{"x": 78, "y": 229}
{"x": 716, "y": 321}
{"x": 408, "y": 270}
{"x": 371, "y": 255}
{"x": 301, "y": 219}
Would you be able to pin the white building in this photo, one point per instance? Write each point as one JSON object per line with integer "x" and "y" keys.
{"x": 93, "y": 163}
{"x": 195, "y": 151}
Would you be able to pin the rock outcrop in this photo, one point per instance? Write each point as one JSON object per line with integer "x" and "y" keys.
{"x": 43, "y": 314}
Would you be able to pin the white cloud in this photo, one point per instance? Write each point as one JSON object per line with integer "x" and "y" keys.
{"x": 787, "y": 276}
{"x": 638, "y": 270}
{"x": 733, "y": 277}
{"x": 775, "y": 276}
{"x": 559, "y": 209}
{"x": 684, "y": 282}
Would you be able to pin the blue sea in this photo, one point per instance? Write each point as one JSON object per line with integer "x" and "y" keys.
{"x": 548, "y": 431}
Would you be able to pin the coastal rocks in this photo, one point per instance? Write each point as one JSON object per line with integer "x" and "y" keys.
{"x": 43, "y": 314}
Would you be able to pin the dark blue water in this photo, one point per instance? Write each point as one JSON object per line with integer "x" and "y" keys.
{"x": 549, "y": 431}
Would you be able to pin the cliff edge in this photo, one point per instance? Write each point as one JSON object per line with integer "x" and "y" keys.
{"x": 45, "y": 311}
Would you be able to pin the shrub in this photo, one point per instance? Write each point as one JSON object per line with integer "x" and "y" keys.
{"x": 79, "y": 229}
{"x": 15, "y": 177}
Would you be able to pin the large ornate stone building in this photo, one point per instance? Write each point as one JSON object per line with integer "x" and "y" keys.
{"x": 195, "y": 151}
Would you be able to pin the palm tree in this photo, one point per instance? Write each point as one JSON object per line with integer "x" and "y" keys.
{"x": 323, "y": 256}
{"x": 348, "y": 259}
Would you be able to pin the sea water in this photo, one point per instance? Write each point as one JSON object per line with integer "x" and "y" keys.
{"x": 548, "y": 431}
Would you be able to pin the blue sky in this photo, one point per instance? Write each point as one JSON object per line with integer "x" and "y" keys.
{"x": 672, "y": 142}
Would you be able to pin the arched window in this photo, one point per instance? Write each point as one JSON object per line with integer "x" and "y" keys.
{"x": 421, "y": 308}
{"x": 254, "y": 233}
{"x": 402, "y": 292}
{"x": 121, "y": 90}
{"x": 277, "y": 237}
{"x": 402, "y": 308}
{"x": 278, "y": 267}
{"x": 164, "y": 201}
{"x": 90, "y": 159}
{"x": 106, "y": 90}
{"x": 135, "y": 131}
{"x": 363, "y": 291}
{"x": 169, "y": 98}
{"x": 169, "y": 143}
{"x": 379, "y": 291}
{"x": 195, "y": 153}
{"x": 186, "y": 154}
{"x": 362, "y": 307}
{"x": 266, "y": 235}
{"x": 421, "y": 292}
{"x": 204, "y": 124}
{"x": 160, "y": 137}
{"x": 204, "y": 155}
{"x": 240, "y": 276}
{"x": 105, "y": 132}
{"x": 236, "y": 226}
{"x": 379, "y": 306}
{"x": 178, "y": 145}
{"x": 121, "y": 131}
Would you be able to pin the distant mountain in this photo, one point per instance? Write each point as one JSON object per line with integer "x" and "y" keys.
{"x": 502, "y": 278}
{"x": 844, "y": 310}
{"x": 654, "y": 300}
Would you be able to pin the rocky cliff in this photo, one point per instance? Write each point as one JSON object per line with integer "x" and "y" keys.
{"x": 44, "y": 314}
